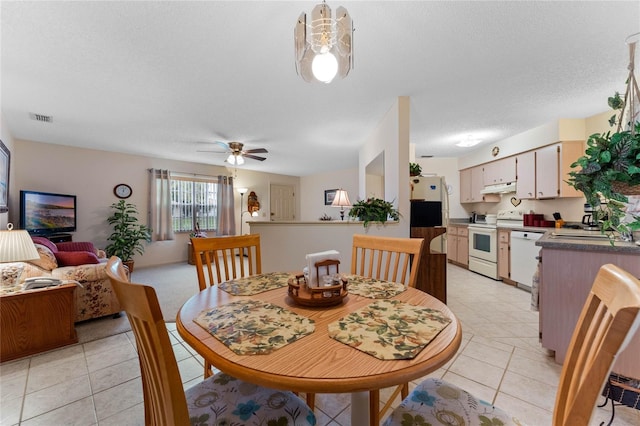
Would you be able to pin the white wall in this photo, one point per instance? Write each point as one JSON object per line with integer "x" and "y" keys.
{"x": 391, "y": 137}
{"x": 91, "y": 176}
{"x": 7, "y": 139}
{"x": 312, "y": 193}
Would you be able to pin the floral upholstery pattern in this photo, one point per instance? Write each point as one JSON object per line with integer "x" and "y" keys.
{"x": 225, "y": 400}
{"x": 436, "y": 402}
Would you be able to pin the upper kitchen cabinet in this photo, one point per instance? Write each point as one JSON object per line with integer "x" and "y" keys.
{"x": 500, "y": 171}
{"x": 526, "y": 174}
{"x": 553, "y": 164}
{"x": 471, "y": 184}
{"x": 542, "y": 173}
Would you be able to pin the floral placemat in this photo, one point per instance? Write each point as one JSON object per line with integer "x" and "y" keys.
{"x": 255, "y": 284}
{"x": 389, "y": 329}
{"x": 372, "y": 288}
{"x": 250, "y": 327}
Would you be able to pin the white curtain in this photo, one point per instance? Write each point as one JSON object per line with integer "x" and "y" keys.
{"x": 226, "y": 212}
{"x": 160, "y": 205}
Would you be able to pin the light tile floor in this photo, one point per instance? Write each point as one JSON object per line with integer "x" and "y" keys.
{"x": 500, "y": 360}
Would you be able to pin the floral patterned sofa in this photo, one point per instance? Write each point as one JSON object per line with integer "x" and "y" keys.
{"x": 75, "y": 261}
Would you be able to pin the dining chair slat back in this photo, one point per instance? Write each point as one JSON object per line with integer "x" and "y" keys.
{"x": 164, "y": 398}
{"x": 230, "y": 257}
{"x": 390, "y": 259}
{"x": 387, "y": 258}
{"x": 609, "y": 319}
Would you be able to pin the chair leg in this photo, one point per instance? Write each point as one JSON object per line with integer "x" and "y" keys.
{"x": 374, "y": 408}
{"x": 404, "y": 392}
{"x": 208, "y": 369}
{"x": 311, "y": 400}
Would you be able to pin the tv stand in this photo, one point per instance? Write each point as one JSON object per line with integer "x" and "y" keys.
{"x": 59, "y": 238}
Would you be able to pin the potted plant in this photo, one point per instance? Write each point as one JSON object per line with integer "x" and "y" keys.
{"x": 373, "y": 210}
{"x": 414, "y": 169}
{"x": 610, "y": 172}
{"x": 127, "y": 236}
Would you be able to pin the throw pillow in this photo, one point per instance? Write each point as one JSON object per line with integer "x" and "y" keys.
{"x": 76, "y": 246}
{"x": 47, "y": 259}
{"x": 75, "y": 258}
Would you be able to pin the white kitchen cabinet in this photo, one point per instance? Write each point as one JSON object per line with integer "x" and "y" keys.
{"x": 553, "y": 164}
{"x": 471, "y": 183}
{"x": 458, "y": 244}
{"x": 526, "y": 174}
{"x": 500, "y": 171}
{"x": 542, "y": 173}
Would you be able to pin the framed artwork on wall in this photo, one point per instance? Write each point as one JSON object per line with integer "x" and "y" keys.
{"x": 5, "y": 161}
{"x": 329, "y": 195}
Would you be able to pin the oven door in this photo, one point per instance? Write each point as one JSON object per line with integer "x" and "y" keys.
{"x": 483, "y": 243}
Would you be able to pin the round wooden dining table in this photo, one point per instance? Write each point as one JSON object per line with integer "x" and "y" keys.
{"x": 317, "y": 363}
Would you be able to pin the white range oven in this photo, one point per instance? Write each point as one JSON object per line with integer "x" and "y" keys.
{"x": 483, "y": 249}
{"x": 483, "y": 242}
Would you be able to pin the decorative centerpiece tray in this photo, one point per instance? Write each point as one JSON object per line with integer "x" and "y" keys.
{"x": 304, "y": 295}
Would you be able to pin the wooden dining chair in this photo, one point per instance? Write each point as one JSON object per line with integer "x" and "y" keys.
{"x": 609, "y": 319}
{"x": 220, "y": 399}
{"x": 230, "y": 257}
{"x": 389, "y": 259}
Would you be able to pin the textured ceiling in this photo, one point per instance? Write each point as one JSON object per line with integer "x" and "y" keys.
{"x": 161, "y": 78}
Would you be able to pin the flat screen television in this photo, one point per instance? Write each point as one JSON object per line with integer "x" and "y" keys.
{"x": 44, "y": 213}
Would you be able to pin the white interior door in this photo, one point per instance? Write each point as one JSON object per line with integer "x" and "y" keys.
{"x": 282, "y": 203}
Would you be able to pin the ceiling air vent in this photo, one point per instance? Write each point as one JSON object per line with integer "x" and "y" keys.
{"x": 41, "y": 117}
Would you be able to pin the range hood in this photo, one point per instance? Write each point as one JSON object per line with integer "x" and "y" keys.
{"x": 501, "y": 188}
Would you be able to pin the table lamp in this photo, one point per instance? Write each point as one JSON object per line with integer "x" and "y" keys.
{"x": 15, "y": 246}
{"x": 341, "y": 200}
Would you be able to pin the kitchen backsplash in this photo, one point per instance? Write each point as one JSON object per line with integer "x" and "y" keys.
{"x": 571, "y": 209}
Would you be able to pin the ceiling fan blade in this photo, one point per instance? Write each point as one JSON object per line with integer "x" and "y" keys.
{"x": 255, "y": 157}
{"x": 256, "y": 150}
{"x": 222, "y": 144}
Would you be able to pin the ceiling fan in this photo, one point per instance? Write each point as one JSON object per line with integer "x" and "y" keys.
{"x": 237, "y": 154}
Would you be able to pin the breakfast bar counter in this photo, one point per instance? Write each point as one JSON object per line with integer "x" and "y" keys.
{"x": 569, "y": 264}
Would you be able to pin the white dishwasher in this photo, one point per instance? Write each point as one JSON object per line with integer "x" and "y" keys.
{"x": 524, "y": 253}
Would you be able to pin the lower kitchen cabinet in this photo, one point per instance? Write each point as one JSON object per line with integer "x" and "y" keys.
{"x": 458, "y": 245}
{"x": 504, "y": 255}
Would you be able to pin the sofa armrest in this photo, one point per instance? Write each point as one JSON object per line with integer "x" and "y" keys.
{"x": 81, "y": 273}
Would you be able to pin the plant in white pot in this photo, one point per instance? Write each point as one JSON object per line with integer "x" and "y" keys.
{"x": 127, "y": 235}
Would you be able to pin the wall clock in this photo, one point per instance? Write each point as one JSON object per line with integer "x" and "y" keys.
{"x": 122, "y": 190}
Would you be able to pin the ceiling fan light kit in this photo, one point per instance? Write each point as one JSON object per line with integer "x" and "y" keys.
{"x": 324, "y": 47}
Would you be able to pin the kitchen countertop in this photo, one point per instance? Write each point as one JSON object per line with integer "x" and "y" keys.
{"x": 577, "y": 239}
{"x": 569, "y": 238}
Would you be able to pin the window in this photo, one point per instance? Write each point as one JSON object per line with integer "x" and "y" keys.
{"x": 193, "y": 200}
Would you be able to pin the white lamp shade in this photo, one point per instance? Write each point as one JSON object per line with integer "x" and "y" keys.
{"x": 243, "y": 191}
{"x": 17, "y": 246}
{"x": 341, "y": 199}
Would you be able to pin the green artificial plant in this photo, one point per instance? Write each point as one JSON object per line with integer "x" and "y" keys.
{"x": 414, "y": 169}
{"x": 127, "y": 235}
{"x": 373, "y": 210}
{"x": 608, "y": 169}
